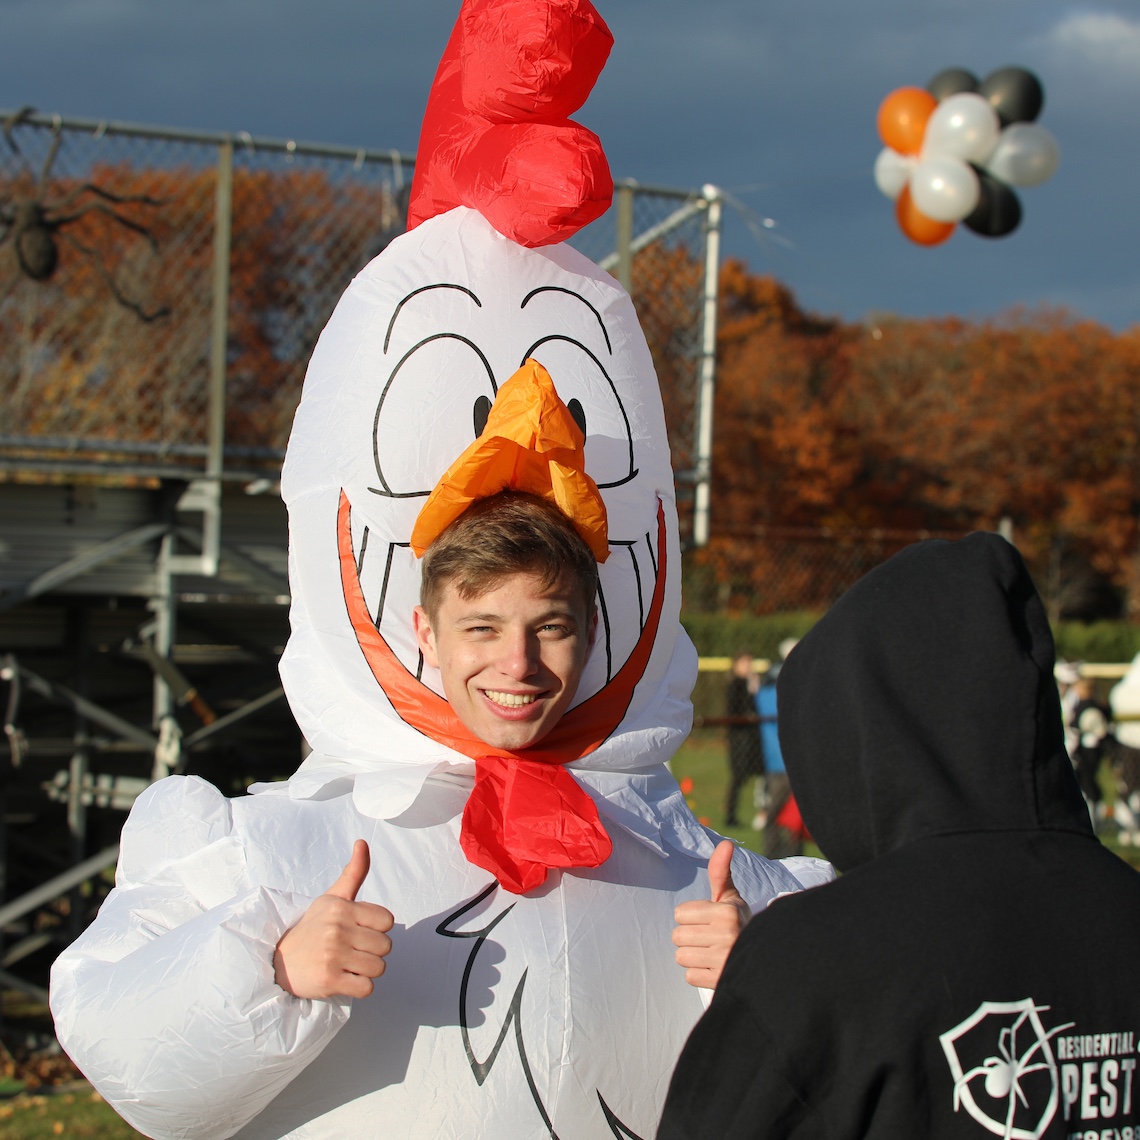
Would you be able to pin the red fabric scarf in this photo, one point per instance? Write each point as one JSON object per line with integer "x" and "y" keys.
{"x": 524, "y": 817}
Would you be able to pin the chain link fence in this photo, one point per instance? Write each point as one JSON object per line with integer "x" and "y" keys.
{"x": 656, "y": 242}
{"x": 142, "y": 269}
{"x": 137, "y": 263}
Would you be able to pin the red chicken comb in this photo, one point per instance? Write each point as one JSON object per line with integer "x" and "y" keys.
{"x": 496, "y": 134}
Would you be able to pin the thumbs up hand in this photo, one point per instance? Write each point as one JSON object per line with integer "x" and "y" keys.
{"x": 707, "y": 930}
{"x": 340, "y": 944}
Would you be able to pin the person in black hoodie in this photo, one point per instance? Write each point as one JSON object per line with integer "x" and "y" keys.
{"x": 973, "y": 971}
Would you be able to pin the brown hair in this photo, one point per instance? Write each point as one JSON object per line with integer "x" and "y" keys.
{"x": 505, "y": 534}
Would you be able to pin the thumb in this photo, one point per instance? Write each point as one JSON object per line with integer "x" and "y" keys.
{"x": 354, "y": 873}
{"x": 721, "y": 886}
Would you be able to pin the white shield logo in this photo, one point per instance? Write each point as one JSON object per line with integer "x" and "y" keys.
{"x": 1005, "y": 1074}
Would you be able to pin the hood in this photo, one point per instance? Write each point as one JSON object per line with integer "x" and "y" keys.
{"x": 423, "y": 336}
{"x": 924, "y": 704}
{"x": 408, "y": 401}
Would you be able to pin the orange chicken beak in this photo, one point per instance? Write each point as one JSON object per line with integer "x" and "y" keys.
{"x": 530, "y": 443}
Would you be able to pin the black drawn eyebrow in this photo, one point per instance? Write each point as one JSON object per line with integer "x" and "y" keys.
{"x": 613, "y": 388}
{"x": 572, "y": 293}
{"x": 424, "y": 289}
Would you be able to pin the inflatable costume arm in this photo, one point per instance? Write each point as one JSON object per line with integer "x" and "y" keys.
{"x": 168, "y": 1001}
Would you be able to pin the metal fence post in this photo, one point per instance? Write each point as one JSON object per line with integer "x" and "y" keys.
{"x": 707, "y": 388}
{"x": 219, "y": 316}
{"x": 204, "y": 495}
{"x": 80, "y": 764}
{"x": 162, "y": 605}
{"x": 624, "y": 194}
{"x": 208, "y": 495}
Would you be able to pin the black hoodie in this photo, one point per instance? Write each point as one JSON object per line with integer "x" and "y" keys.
{"x": 976, "y": 969}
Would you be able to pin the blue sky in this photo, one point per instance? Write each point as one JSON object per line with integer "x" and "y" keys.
{"x": 774, "y": 101}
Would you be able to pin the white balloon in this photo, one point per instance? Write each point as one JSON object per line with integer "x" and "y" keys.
{"x": 1026, "y": 155}
{"x": 963, "y": 126}
{"x": 893, "y": 171}
{"x": 944, "y": 189}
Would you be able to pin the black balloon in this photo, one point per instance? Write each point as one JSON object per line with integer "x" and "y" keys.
{"x": 1016, "y": 94}
{"x": 998, "y": 211}
{"x": 952, "y": 81}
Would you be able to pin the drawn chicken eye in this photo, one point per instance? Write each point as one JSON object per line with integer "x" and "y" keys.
{"x": 586, "y": 388}
{"x": 578, "y": 413}
{"x": 481, "y": 411}
{"x": 443, "y": 370}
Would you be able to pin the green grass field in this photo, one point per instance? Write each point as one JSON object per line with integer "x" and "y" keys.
{"x": 81, "y": 1113}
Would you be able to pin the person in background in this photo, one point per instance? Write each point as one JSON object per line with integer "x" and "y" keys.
{"x": 1067, "y": 674}
{"x": 784, "y": 830}
{"x": 1124, "y": 700}
{"x": 972, "y": 971}
{"x": 745, "y": 758}
{"x": 1091, "y": 721}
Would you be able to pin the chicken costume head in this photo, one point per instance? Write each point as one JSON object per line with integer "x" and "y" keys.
{"x": 477, "y": 354}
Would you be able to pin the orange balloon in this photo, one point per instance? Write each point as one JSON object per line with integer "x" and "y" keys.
{"x": 916, "y": 225}
{"x": 902, "y": 118}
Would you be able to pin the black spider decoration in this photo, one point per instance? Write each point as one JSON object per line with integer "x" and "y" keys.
{"x": 36, "y": 226}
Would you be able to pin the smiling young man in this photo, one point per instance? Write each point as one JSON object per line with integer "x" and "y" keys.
{"x": 507, "y": 616}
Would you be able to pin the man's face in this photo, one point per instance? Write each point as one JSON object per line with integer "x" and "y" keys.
{"x": 511, "y": 659}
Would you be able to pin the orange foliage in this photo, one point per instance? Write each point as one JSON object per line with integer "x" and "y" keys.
{"x": 76, "y": 363}
{"x": 893, "y": 426}
{"x": 780, "y": 454}
{"x": 926, "y": 424}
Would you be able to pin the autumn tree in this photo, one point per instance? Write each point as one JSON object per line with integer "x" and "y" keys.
{"x": 823, "y": 429}
{"x": 79, "y": 362}
{"x": 924, "y": 425}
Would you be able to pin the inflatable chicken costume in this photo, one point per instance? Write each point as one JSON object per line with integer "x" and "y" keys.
{"x": 531, "y": 989}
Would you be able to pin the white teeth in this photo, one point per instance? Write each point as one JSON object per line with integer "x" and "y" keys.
{"x": 511, "y": 700}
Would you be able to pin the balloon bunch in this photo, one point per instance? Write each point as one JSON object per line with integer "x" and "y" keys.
{"x": 955, "y": 150}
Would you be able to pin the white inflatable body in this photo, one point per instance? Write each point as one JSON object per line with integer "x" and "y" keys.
{"x": 558, "y": 1013}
